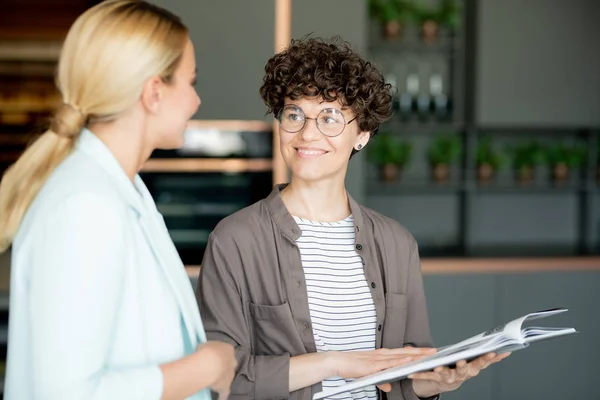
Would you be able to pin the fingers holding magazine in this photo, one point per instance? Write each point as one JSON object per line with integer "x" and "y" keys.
{"x": 355, "y": 364}
{"x": 415, "y": 353}
{"x": 445, "y": 379}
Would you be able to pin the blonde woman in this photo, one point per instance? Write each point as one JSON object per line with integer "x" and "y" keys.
{"x": 100, "y": 304}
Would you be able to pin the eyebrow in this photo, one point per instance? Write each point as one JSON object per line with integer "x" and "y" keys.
{"x": 343, "y": 108}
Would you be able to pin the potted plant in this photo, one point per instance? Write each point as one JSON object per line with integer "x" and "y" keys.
{"x": 488, "y": 160}
{"x": 449, "y": 14}
{"x": 393, "y": 15}
{"x": 390, "y": 155}
{"x": 525, "y": 157}
{"x": 443, "y": 151}
{"x": 428, "y": 20}
{"x": 563, "y": 158}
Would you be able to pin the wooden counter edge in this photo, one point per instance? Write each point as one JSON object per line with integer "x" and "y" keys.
{"x": 230, "y": 125}
{"x": 451, "y": 266}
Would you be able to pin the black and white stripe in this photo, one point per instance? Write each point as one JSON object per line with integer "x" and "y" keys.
{"x": 341, "y": 307}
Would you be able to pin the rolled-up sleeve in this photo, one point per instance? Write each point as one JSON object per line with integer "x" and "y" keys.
{"x": 75, "y": 285}
{"x": 223, "y": 315}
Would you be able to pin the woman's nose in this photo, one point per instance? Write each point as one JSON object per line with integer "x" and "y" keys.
{"x": 311, "y": 131}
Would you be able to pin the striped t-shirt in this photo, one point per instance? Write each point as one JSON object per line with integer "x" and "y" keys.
{"x": 341, "y": 307}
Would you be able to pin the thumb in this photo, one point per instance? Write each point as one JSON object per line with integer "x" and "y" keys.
{"x": 386, "y": 387}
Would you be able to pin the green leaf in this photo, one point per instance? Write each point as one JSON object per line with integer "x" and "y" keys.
{"x": 445, "y": 149}
{"x": 388, "y": 149}
{"x": 486, "y": 154}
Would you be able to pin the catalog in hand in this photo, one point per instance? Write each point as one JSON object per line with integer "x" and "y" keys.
{"x": 502, "y": 339}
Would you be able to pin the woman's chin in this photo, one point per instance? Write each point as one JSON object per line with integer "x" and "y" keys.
{"x": 308, "y": 174}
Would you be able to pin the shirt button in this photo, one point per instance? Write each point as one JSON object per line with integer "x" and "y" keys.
{"x": 379, "y": 327}
{"x": 373, "y": 285}
{"x": 299, "y": 283}
{"x": 359, "y": 246}
{"x": 306, "y": 326}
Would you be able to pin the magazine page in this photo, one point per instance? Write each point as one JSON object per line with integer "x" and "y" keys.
{"x": 510, "y": 330}
{"x": 534, "y": 334}
{"x": 504, "y": 338}
{"x": 468, "y": 351}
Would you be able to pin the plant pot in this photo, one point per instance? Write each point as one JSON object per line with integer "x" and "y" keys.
{"x": 441, "y": 173}
{"x": 485, "y": 173}
{"x": 389, "y": 172}
{"x": 392, "y": 30}
{"x": 525, "y": 175}
{"x": 430, "y": 29}
{"x": 560, "y": 173}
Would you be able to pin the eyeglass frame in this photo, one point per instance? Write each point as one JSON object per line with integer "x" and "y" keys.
{"x": 315, "y": 119}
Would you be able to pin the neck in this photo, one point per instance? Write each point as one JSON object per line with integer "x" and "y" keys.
{"x": 125, "y": 139}
{"x": 323, "y": 201}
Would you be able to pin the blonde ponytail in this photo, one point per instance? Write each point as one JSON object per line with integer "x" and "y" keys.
{"x": 109, "y": 53}
{"x": 24, "y": 179}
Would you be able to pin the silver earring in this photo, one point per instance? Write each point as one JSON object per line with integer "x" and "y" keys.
{"x": 359, "y": 147}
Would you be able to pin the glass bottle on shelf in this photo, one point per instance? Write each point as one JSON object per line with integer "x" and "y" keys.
{"x": 438, "y": 88}
{"x": 411, "y": 84}
{"x": 440, "y": 99}
{"x": 424, "y": 99}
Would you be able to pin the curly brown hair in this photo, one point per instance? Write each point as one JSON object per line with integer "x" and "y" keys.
{"x": 332, "y": 70}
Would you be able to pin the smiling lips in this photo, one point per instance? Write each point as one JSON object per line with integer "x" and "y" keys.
{"x": 306, "y": 152}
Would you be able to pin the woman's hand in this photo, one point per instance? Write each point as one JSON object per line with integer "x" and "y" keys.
{"x": 444, "y": 379}
{"x": 222, "y": 357}
{"x": 211, "y": 366}
{"x": 355, "y": 364}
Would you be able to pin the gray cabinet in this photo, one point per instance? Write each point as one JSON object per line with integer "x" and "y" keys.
{"x": 537, "y": 63}
{"x": 565, "y": 368}
{"x": 233, "y": 40}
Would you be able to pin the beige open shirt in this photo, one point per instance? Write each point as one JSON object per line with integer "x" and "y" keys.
{"x": 252, "y": 293}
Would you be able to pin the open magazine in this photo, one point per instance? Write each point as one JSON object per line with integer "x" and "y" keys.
{"x": 505, "y": 338}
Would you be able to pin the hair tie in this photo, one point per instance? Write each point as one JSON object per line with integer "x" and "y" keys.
{"x": 68, "y": 121}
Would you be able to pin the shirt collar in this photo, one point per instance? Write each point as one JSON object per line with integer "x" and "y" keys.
{"x": 284, "y": 220}
{"x": 134, "y": 193}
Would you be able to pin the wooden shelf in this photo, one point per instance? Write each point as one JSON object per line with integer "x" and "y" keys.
{"x": 509, "y": 265}
{"x": 230, "y": 125}
{"x": 454, "y": 266}
{"x": 207, "y": 165}
{"x": 32, "y": 50}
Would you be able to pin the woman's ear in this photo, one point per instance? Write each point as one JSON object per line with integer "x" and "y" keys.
{"x": 362, "y": 140}
{"x": 152, "y": 94}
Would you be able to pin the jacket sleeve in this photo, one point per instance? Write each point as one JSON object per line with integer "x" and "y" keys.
{"x": 224, "y": 316}
{"x": 76, "y": 279}
{"x": 417, "y": 320}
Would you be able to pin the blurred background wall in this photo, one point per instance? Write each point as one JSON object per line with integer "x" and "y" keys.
{"x": 494, "y": 145}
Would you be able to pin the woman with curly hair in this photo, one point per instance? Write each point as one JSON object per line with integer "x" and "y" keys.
{"x": 310, "y": 287}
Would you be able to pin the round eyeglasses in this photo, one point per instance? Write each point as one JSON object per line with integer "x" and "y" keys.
{"x": 330, "y": 121}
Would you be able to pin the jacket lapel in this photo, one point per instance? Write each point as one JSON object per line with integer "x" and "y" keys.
{"x": 140, "y": 200}
{"x": 168, "y": 258}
